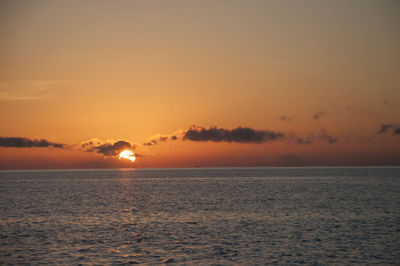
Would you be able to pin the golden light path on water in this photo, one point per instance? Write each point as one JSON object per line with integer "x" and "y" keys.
{"x": 127, "y": 154}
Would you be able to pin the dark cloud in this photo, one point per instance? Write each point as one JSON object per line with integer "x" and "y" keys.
{"x": 385, "y": 128}
{"x": 239, "y": 135}
{"x": 106, "y": 148}
{"x": 113, "y": 149}
{"x": 286, "y": 118}
{"x": 16, "y": 142}
{"x": 318, "y": 115}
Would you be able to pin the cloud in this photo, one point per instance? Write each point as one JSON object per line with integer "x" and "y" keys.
{"x": 385, "y": 128}
{"x": 108, "y": 148}
{"x": 21, "y": 90}
{"x": 318, "y": 115}
{"x": 163, "y": 139}
{"x": 312, "y": 137}
{"x": 159, "y": 138}
{"x": 16, "y": 142}
{"x": 238, "y": 135}
{"x": 323, "y": 135}
{"x": 286, "y": 118}
{"x": 150, "y": 143}
{"x": 300, "y": 140}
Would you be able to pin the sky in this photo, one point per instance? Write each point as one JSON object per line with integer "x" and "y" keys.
{"x": 199, "y": 83}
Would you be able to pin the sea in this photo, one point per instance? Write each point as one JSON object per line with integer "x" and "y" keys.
{"x": 201, "y": 216}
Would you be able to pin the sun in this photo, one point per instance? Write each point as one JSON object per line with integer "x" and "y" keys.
{"x": 127, "y": 154}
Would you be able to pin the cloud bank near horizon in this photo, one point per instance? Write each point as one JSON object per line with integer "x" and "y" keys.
{"x": 241, "y": 135}
{"x": 18, "y": 142}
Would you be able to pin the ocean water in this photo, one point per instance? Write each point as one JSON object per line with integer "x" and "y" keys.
{"x": 223, "y": 216}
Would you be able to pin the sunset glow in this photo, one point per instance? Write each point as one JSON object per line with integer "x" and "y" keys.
{"x": 127, "y": 154}
{"x": 181, "y": 86}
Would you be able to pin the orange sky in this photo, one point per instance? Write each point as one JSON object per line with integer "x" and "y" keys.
{"x": 71, "y": 71}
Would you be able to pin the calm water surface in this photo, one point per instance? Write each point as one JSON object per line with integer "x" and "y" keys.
{"x": 201, "y": 216}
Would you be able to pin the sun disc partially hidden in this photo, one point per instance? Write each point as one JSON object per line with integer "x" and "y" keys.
{"x": 127, "y": 154}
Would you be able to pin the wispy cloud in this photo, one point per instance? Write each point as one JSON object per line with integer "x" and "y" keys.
{"x": 17, "y": 142}
{"x": 312, "y": 137}
{"x": 323, "y": 135}
{"x": 286, "y": 118}
{"x": 30, "y": 89}
{"x": 160, "y": 139}
{"x": 394, "y": 128}
{"x": 318, "y": 115}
